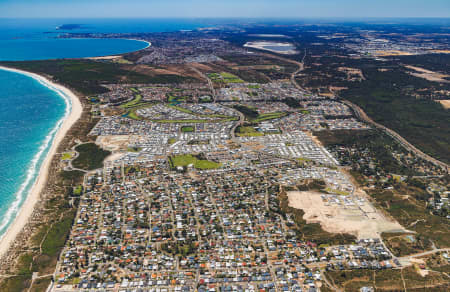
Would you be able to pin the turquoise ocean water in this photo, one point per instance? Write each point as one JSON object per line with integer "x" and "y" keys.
{"x": 19, "y": 49}
{"x": 30, "y": 113}
{"x": 29, "y": 116}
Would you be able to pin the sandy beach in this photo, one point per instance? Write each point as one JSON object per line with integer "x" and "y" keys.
{"x": 27, "y": 207}
{"x": 112, "y": 57}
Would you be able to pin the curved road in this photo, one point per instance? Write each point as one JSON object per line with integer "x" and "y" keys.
{"x": 213, "y": 92}
{"x": 363, "y": 116}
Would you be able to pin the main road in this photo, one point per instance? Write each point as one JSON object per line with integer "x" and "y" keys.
{"x": 363, "y": 116}
{"x": 402, "y": 141}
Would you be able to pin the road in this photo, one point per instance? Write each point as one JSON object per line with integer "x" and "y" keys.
{"x": 210, "y": 83}
{"x": 301, "y": 67}
{"x": 213, "y": 92}
{"x": 363, "y": 116}
{"x": 299, "y": 64}
{"x": 402, "y": 141}
{"x": 418, "y": 255}
{"x": 237, "y": 124}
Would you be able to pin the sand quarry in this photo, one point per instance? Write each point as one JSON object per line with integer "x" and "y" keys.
{"x": 114, "y": 143}
{"x": 445, "y": 103}
{"x": 360, "y": 219}
{"x": 428, "y": 75}
{"x": 275, "y": 47}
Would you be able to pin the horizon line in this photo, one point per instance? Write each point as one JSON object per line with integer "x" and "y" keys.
{"x": 233, "y": 17}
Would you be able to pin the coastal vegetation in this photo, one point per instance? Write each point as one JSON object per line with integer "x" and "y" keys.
{"x": 87, "y": 76}
{"x": 407, "y": 204}
{"x": 72, "y": 176}
{"x": 405, "y": 200}
{"x": 267, "y": 68}
{"x": 51, "y": 239}
{"x": 403, "y": 244}
{"x": 387, "y": 280}
{"x": 378, "y": 144}
{"x": 90, "y": 156}
{"x": 387, "y": 98}
{"x": 390, "y": 95}
{"x": 57, "y": 235}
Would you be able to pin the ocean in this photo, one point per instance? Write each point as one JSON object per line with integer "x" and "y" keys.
{"x": 29, "y": 111}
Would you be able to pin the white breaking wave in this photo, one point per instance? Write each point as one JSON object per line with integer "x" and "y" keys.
{"x": 33, "y": 171}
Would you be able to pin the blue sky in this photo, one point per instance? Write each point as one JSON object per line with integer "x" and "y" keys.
{"x": 224, "y": 8}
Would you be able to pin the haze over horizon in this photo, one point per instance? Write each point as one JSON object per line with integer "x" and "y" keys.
{"x": 230, "y": 8}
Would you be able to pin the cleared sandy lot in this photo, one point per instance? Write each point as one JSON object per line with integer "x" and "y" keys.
{"x": 427, "y": 74}
{"x": 275, "y": 47}
{"x": 114, "y": 143}
{"x": 360, "y": 219}
{"x": 352, "y": 73}
{"x": 445, "y": 103}
{"x": 391, "y": 53}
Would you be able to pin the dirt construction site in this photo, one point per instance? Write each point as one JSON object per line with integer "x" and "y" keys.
{"x": 350, "y": 214}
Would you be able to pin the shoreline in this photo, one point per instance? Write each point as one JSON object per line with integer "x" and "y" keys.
{"x": 109, "y": 57}
{"x": 32, "y": 196}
